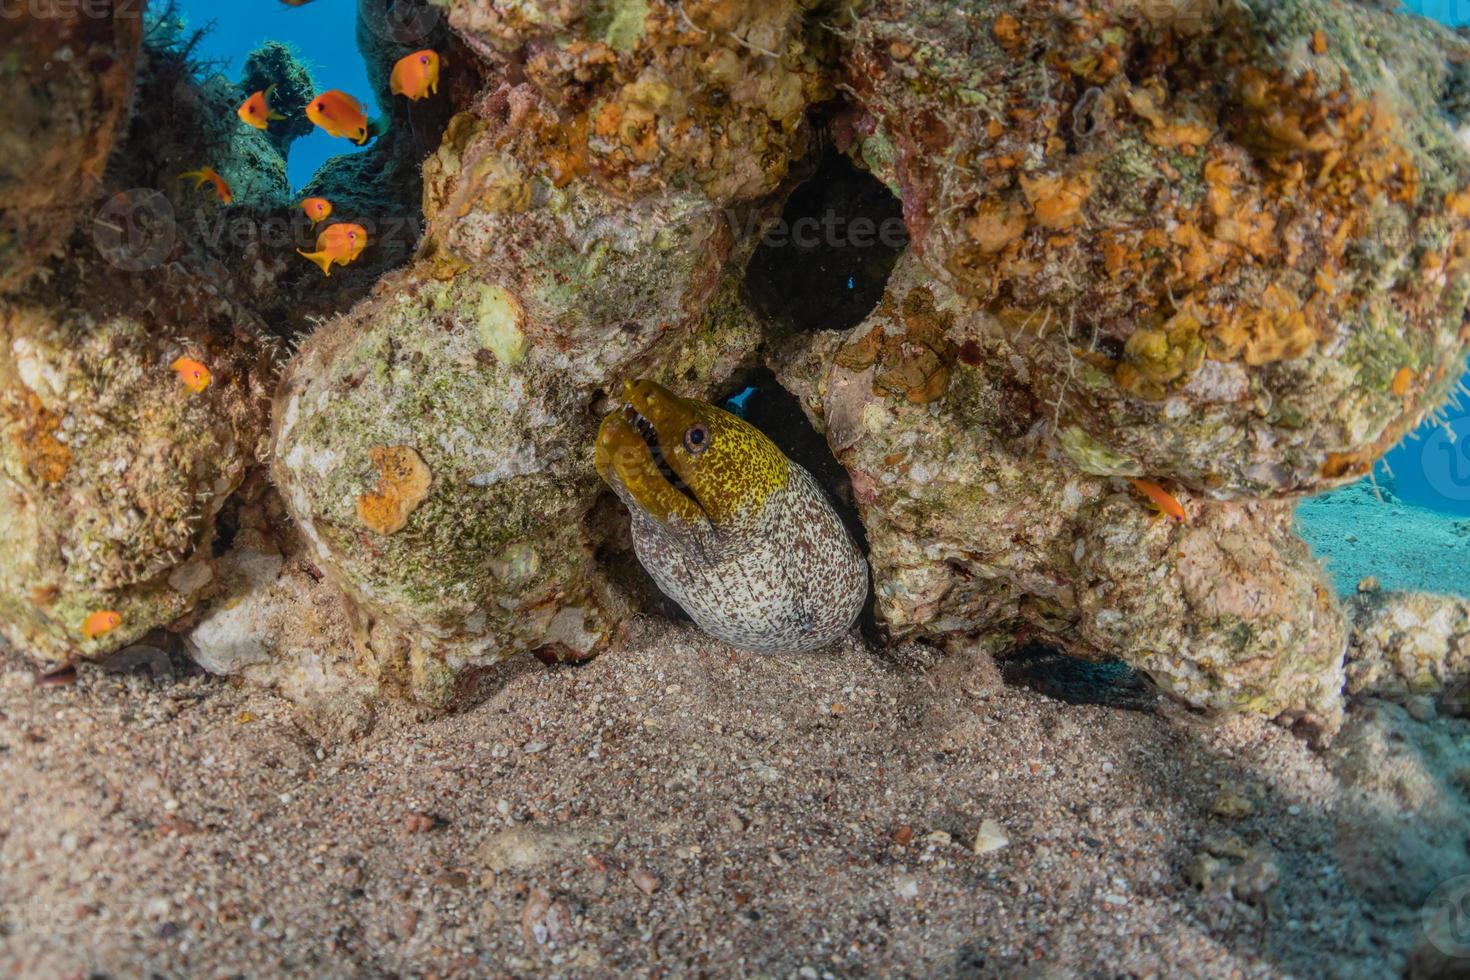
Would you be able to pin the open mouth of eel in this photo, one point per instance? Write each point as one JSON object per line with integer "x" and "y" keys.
{"x": 649, "y": 435}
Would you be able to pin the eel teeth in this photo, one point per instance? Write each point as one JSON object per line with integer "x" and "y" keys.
{"x": 645, "y": 428}
{"x": 650, "y": 437}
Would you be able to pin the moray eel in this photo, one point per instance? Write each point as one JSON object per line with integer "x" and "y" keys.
{"x": 737, "y": 534}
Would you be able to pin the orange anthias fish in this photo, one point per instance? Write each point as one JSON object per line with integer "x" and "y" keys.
{"x": 256, "y": 110}
{"x": 1165, "y": 501}
{"x": 317, "y": 208}
{"x": 416, "y": 75}
{"x": 337, "y": 245}
{"x": 194, "y": 375}
{"x": 206, "y": 175}
{"x": 101, "y": 623}
{"x": 339, "y": 114}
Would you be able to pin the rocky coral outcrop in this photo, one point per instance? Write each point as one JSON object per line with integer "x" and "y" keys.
{"x": 549, "y": 270}
{"x": 1228, "y": 240}
{"x": 978, "y": 523}
{"x": 485, "y": 384}
{"x": 273, "y": 66}
{"x": 68, "y": 73}
{"x": 112, "y": 470}
{"x": 1411, "y": 644}
{"x": 653, "y": 93}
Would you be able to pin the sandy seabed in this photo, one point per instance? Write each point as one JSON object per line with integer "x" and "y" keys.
{"x": 679, "y": 808}
{"x": 1359, "y": 533}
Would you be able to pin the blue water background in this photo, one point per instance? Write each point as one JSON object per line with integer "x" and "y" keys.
{"x": 1449, "y": 11}
{"x": 324, "y": 37}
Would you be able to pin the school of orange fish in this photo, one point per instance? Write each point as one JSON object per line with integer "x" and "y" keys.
{"x": 415, "y": 76}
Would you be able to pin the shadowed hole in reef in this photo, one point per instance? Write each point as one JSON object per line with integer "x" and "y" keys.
{"x": 1048, "y": 671}
{"x": 825, "y": 264}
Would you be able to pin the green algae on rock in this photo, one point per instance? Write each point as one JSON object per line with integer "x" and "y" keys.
{"x": 496, "y": 550}
{"x": 1215, "y": 232}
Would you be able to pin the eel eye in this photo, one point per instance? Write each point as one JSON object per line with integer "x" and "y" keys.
{"x": 696, "y": 438}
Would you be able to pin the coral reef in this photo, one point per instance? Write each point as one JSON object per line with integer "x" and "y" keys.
{"x": 111, "y": 470}
{"x": 977, "y": 523}
{"x": 273, "y": 64}
{"x": 114, "y": 472}
{"x": 647, "y": 95}
{"x": 1228, "y": 240}
{"x": 1203, "y": 257}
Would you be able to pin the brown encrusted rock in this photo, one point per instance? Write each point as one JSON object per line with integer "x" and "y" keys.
{"x": 648, "y": 94}
{"x": 978, "y": 522}
{"x": 112, "y": 470}
{"x": 1409, "y": 643}
{"x": 486, "y": 359}
{"x": 67, "y": 70}
{"x": 499, "y": 556}
{"x": 1229, "y": 240}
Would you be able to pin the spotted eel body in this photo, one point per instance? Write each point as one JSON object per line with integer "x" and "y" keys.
{"x": 745, "y": 540}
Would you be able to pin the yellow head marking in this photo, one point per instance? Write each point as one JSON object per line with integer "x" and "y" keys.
{"x": 728, "y": 466}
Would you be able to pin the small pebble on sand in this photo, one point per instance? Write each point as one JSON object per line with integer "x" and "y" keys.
{"x": 647, "y": 881}
{"x": 990, "y": 837}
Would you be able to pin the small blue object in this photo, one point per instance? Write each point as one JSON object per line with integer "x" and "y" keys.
{"x": 851, "y": 282}
{"x": 736, "y": 403}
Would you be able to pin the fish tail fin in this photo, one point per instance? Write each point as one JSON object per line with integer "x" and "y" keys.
{"x": 273, "y": 114}
{"x": 197, "y": 176}
{"x": 321, "y": 259}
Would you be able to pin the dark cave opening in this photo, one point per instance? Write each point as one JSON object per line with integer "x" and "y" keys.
{"x": 1051, "y": 673}
{"x": 825, "y": 263}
